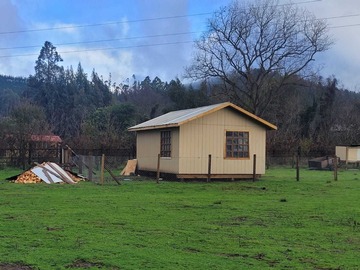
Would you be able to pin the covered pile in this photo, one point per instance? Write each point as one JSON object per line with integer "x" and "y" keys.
{"x": 49, "y": 173}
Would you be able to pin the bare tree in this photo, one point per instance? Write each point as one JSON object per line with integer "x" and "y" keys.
{"x": 256, "y": 49}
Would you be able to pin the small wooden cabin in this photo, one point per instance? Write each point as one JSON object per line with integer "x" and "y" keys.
{"x": 185, "y": 139}
{"x": 44, "y": 148}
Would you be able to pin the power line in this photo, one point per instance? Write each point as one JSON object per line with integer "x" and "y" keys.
{"x": 345, "y": 26}
{"x": 103, "y": 24}
{"x": 104, "y": 40}
{"x": 134, "y": 46}
{"x": 141, "y": 37}
{"x": 163, "y": 35}
{"x": 105, "y": 49}
{"x": 130, "y": 21}
{"x": 340, "y": 17}
{"x": 302, "y": 2}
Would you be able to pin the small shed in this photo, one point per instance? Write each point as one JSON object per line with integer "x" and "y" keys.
{"x": 44, "y": 148}
{"x": 322, "y": 163}
{"x": 225, "y": 133}
{"x": 348, "y": 153}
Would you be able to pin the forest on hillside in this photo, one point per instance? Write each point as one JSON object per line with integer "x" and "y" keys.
{"x": 90, "y": 112}
{"x": 256, "y": 57}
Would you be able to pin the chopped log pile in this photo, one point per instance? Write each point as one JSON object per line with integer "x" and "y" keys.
{"x": 49, "y": 173}
{"x": 28, "y": 177}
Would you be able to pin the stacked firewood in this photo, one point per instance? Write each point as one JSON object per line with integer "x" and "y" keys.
{"x": 74, "y": 177}
{"x": 28, "y": 177}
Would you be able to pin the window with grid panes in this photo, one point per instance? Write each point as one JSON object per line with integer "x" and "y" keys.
{"x": 237, "y": 144}
{"x": 165, "y": 144}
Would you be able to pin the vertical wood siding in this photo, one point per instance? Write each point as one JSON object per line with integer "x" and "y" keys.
{"x": 206, "y": 135}
{"x": 192, "y": 143}
{"x": 148, "y": 148}
{"x": 348, "y": 153}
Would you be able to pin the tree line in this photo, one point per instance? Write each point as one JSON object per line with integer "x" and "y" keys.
{"x": 86, "y": 111}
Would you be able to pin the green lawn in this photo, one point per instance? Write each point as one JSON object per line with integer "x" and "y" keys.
{"x": 273, "y": 223}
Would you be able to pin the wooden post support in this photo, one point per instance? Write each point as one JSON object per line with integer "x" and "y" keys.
{"x": 112, "y": 175}
{"x": 297, "y": 164}
{"x": 90, "y": 167}
{"x": 158, "y": 169}
{"x": 254, "y": 168}
{"x": 81, "y": 162}
{"x": 102, "y": 169}
{"x": 347, "y": 157}
{"x": 335, "y": 168}
{"x": 209, "y": 169}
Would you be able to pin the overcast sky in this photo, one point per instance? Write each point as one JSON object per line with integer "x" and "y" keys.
{"x": 147, "y": 37}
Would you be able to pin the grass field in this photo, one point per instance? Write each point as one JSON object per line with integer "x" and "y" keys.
{"x": 273, "y": 223}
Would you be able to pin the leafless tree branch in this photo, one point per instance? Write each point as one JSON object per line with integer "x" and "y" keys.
{"x": 256, "y": 49}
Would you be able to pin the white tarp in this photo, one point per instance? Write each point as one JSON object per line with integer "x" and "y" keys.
{"x": 52, "y": 173}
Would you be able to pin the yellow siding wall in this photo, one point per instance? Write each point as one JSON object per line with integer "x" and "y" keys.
{"x": 206, "y": 135}
{"x": 348, "y": 153}
{"x": 340, "y": 152}
{"x": 148, "y": 148}
{"x": 354, "y": 154}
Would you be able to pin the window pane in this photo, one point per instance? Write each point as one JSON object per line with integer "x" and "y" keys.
{"x": 165, "y": 143}
{"x": 237, "y": 144}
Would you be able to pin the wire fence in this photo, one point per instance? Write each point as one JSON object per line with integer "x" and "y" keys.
{"x": 88, "y": 162}
{"x": 91, "y": 167}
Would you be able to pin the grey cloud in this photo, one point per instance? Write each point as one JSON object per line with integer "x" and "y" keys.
{"x": 169, "y": 58}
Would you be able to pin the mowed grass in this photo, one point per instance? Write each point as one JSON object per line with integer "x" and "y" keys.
{"x": 273, "y": 223}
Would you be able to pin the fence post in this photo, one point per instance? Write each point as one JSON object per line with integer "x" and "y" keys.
{"x": 102, "y": 168}
{"x": 158, "y": 169}
{"x": 90, "y": 167}
{"x": 335, "y": 168}
{"x": 254, "y": 168}
{"x": 209, "y": 169}
{"x": 81, "y": 163}
{"x": 297, "y": 164}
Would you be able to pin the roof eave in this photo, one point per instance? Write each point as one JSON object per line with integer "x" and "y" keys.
{"x": 153, "y": 127}
{"x": 253, "y": 116}
{"x": 259, "y": 120}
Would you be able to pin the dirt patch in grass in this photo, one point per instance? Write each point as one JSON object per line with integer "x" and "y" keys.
{"x": 234, "y": 255}
{"x": 15, "y": 266}
{"x": 80, "y": 263}
{"x": 84, "y": 264}
{"x": 192, "y": 250}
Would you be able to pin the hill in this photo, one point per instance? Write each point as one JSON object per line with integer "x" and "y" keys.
{"x": 16, "y": 84}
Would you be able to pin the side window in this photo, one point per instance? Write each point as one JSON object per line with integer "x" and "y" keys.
{"x": 165, "y": 144}
{"x": 237, "y": 144}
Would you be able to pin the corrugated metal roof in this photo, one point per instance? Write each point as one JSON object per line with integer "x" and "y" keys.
{"x": 46, "y": 138}
{"x": 177, "y": 118}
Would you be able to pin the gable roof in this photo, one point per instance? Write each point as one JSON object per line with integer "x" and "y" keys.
{"x": 177, "y": 118}
{"x": 46, "y": 138}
